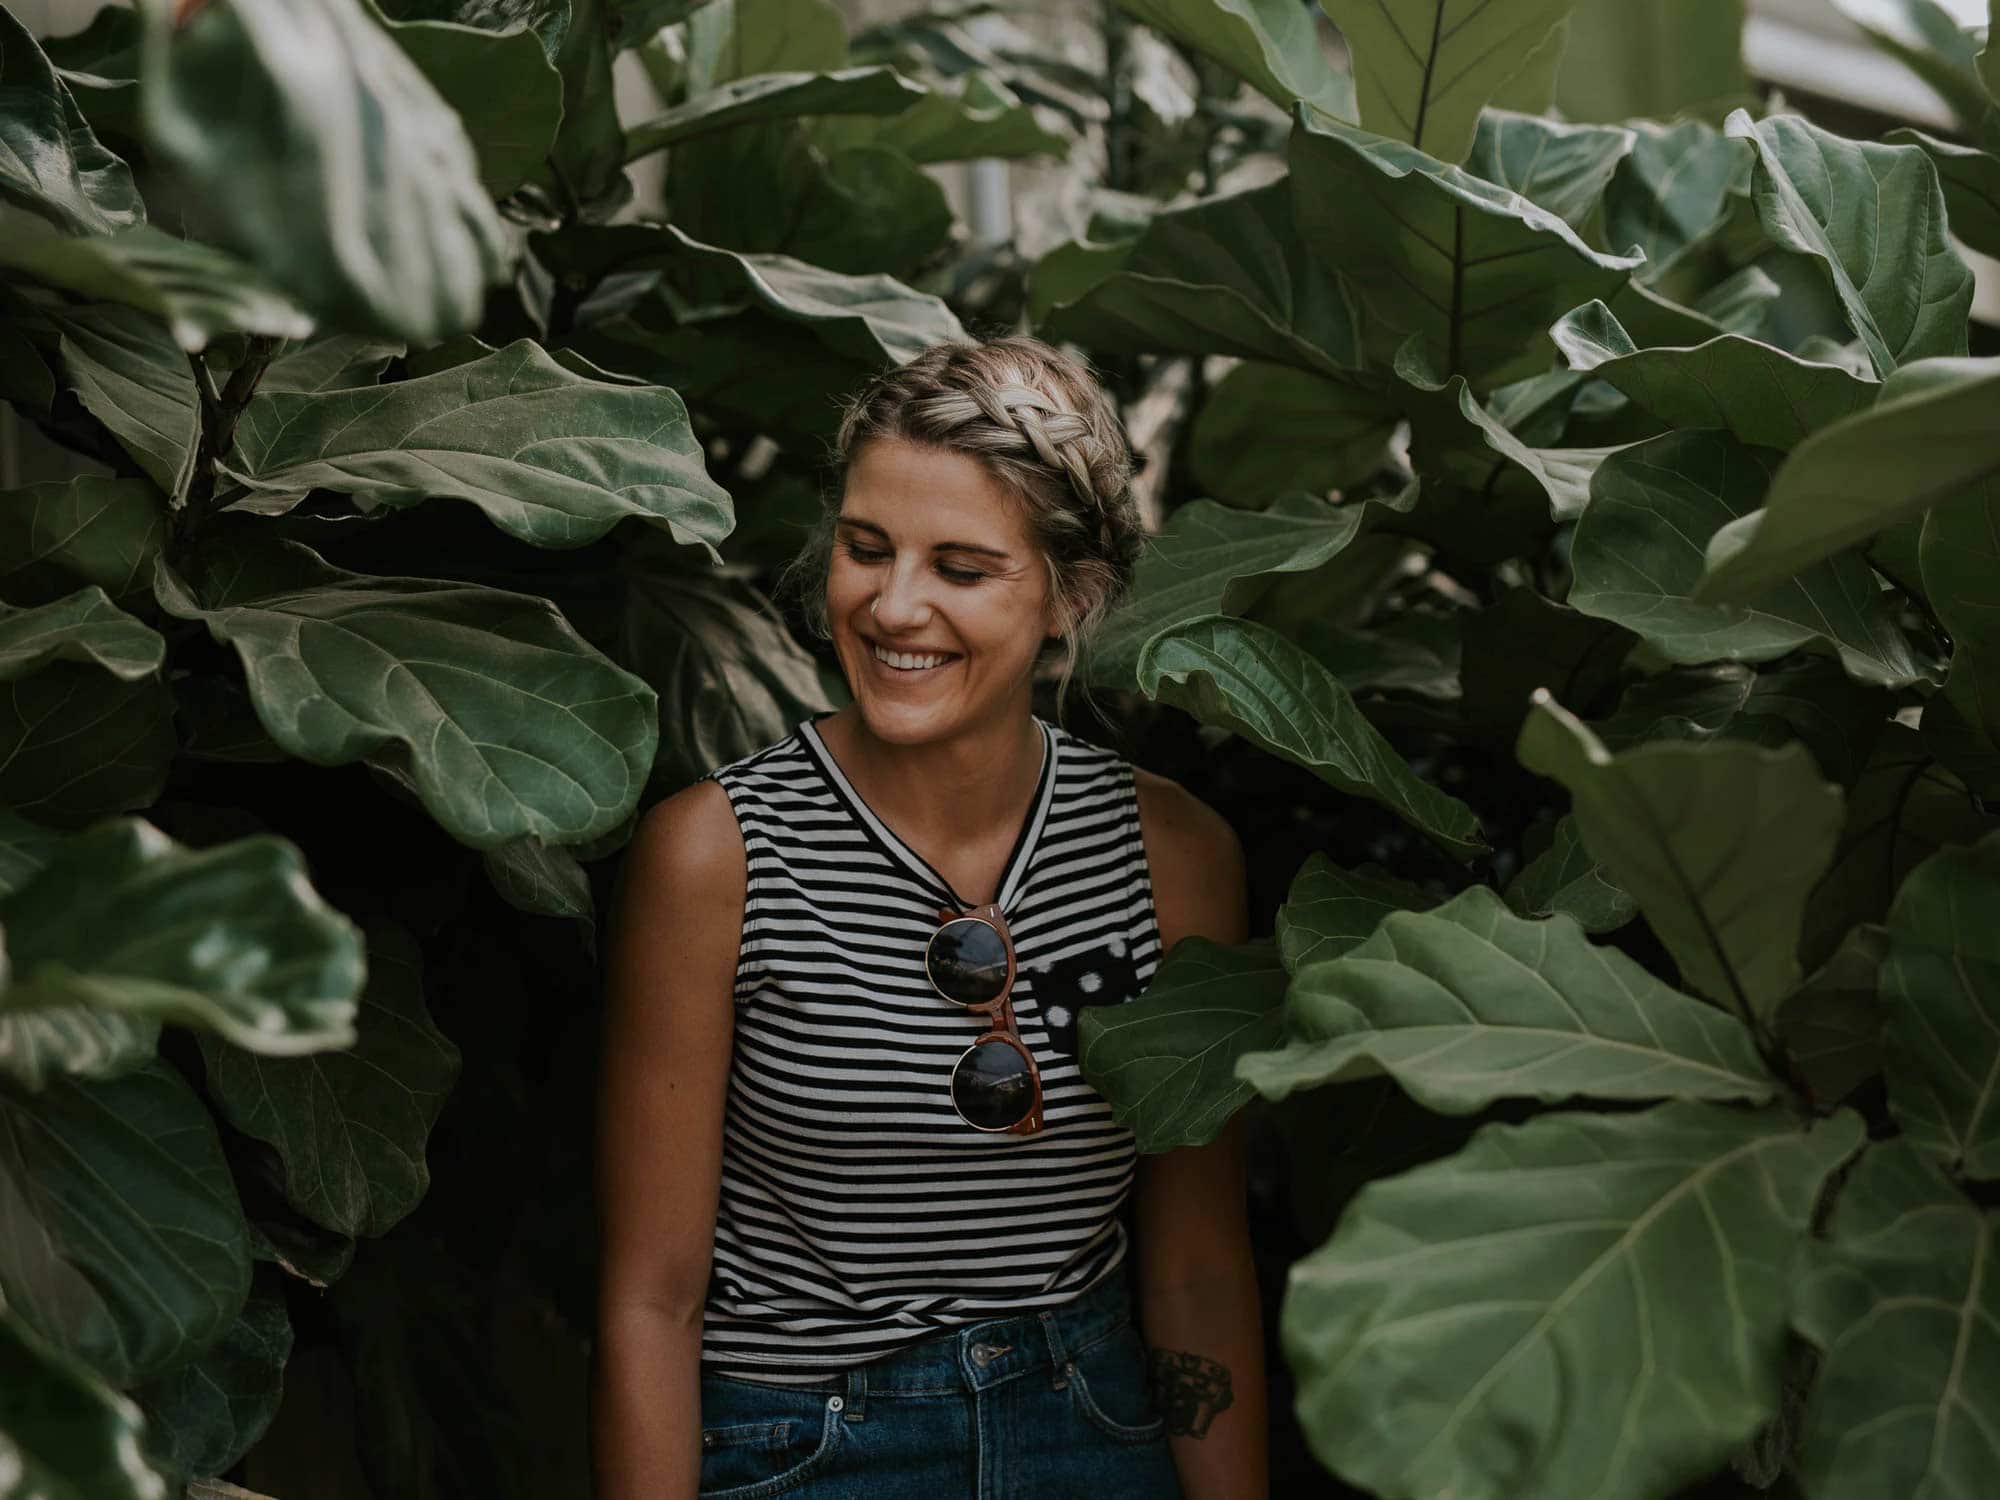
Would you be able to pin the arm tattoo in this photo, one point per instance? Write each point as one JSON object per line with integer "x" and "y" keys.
{"x": 1190, "y": 1391}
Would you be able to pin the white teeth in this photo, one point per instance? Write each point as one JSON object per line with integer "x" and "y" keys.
{"x": 905, "y": 661}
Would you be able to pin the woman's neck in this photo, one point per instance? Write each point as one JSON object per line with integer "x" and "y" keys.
{"x": 963, "y": 790}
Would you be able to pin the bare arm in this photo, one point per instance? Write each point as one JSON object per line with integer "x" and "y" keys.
{"x": 1197, "y": 1285}
{"x": 668, "y": 1025}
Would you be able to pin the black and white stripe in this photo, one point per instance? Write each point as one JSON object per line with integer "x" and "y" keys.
{"x": 858, "y": 1212}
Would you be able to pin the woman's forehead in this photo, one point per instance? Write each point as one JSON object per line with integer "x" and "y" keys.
{"x": 930, "y": 496}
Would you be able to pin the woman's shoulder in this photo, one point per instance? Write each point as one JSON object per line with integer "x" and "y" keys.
{"x": 690, "y": 841}
{"x": 1196, "y": 862}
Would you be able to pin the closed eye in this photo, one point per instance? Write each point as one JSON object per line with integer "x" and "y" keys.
{"x": 863, "y": 554}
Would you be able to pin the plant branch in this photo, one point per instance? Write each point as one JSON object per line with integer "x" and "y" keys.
{"x": 219, "y": 415}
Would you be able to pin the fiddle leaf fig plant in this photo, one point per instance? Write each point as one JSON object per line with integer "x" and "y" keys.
{"x": 391, "y": 575}
{"x": 1698, "y": 481}
{"x": 1575, "y": 575}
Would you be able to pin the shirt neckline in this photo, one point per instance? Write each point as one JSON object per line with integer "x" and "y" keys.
{"x": 1013, "y": 874}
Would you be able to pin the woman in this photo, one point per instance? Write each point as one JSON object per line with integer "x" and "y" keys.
{"x": 859, "y": 1210}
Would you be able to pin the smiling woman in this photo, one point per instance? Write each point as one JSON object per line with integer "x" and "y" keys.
{"x": 862, "y": 1213}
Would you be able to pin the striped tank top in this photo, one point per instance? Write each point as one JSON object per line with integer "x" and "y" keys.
{"x": 858, "y": 1213}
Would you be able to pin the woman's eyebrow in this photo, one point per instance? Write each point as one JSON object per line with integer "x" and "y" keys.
{"x": 974, "y": 547}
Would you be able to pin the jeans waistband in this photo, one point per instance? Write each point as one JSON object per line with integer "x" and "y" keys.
{"x": 981, "y": 1355}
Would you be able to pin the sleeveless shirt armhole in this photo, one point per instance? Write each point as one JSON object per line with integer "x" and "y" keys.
{"x": 1136, "y": 833}
{"x": 749, "y": 954}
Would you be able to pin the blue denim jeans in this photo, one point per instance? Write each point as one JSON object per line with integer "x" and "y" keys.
{"x": 1044, "y": 1406}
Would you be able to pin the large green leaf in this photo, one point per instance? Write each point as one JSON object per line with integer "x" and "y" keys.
{"x": 1508, "y": 496}
{"x": 585, "y": 167}
{"x": 499, "y": 81}
{"x": 1416, "y": 651}
{"x": 1227, "y": 275}
{"x": 82, "y": 627}
{"x": 1928, "y": 38}
{"x": 758, "y": 335}
{"x": 1251, "y": 680}
{"x": 1167, "y": 1061}
{"x": 1423, "y": 69}
{"x": 732, "y": 39}
{"x": 554, "y": 458}
{"x": 1581, "y": 1305}
{"x": 1941, "y": 987}
{"x": 1903, "y": 809}
{"x": 64, "y": 1434}
{"x": 1718, "y": 843}
{"x": 730, "y": 678}
{"x": 1970, "y": 181}
{"x": 50, "y": 163}
{"x": 125, "y": 1243}
{"x": 204, "y": 1416}
{"x": 1959, "y": 555}
{"x": 1832, "y": 1024}
{"x": 1567, "y": 879}
{"x": 317, "y": 149}
{"x": 1903, "y": 1303}
{"x": 533, "y": 875}
{"x": 974, "y": 115}
{"x": 1473, "y": 270}
{"x": 1759, "y": 393}
{"x": 129, "y": 373}
{"x": 1468, "y": 1004}
{"x": 505, "y": 720}
{"x": 1266, "y": 429}
{"x": 1813, "y": 701}
{"x": 100, "y": 67}
{"x": 1330, "y": 910}
{"x": 1213, "y": 559}
{"x": 1986, "y": 63}
{"x": 1674, "y": 186}
{"x": 765, "y": 97}
{"x": 196, "y": 291}
{"x": 77, "y": 743}
{"x": 1658, "y": 58}
{"x": 25, "y": 847}
{"x": 1930, "y": 438}
{"x": 102, "y": 952}
{"x": 341, "y": 362}
{"x": 1271, "y": 44}
{"x": 856, "y": 209}
{"x": 1637, "y": 559}
{"x": 1873, "y": 219}
{"x": 349, "y": 1127}
{"x": 1562, "y": 168}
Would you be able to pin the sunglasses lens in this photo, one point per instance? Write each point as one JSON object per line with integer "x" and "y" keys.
{"x": 967, "y": 961}
{"x": 992, "y": 1086}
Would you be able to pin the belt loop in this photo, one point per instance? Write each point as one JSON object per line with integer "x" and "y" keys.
{"x": 857, "y": 1395}
{"x": 1058, "y": 1360}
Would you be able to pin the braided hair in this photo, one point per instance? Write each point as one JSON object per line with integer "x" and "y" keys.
{"x": 1043, "y": 426}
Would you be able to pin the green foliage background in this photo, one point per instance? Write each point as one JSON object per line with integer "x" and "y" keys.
{"x": 1577, "y": 579}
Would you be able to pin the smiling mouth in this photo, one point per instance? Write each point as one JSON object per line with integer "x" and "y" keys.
{"x": 912, "y": 662}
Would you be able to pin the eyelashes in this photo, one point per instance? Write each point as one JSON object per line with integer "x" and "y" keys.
{"x": 862, "y": 554}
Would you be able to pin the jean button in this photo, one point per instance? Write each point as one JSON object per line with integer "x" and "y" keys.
{"x": 834, "y": 1403}
{"x": 984, "y": 1354}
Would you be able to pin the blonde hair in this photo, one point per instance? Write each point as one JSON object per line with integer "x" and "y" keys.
{"x": 1046, "y": 429}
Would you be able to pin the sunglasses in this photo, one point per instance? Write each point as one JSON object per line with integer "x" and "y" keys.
{"x": 995, "y": 1086}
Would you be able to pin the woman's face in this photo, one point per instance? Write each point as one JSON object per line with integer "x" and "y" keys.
{"x": 960, "y": 601}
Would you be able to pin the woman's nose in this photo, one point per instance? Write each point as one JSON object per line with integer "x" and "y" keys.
{"x": 901, "y": 604}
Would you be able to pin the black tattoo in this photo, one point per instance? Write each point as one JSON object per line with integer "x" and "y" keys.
{"x": 1190, "y": 1391}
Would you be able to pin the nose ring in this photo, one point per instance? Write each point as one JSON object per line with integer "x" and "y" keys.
{"x": 871, "y": 605}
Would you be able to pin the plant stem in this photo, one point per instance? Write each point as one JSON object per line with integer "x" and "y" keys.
{"x": 219, "y": 415}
